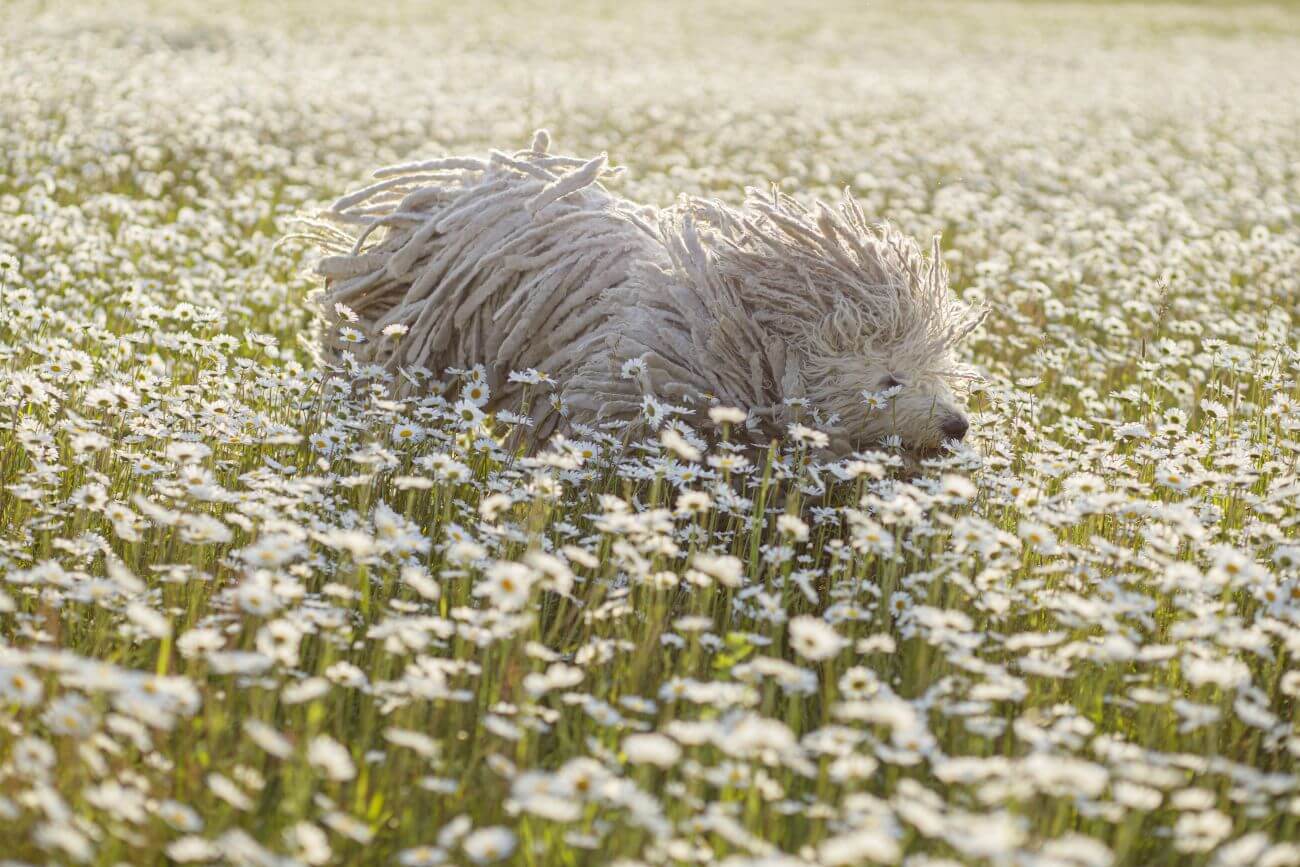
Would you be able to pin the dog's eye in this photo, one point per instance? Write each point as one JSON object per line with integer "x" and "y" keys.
{"x": 889, "y": 382}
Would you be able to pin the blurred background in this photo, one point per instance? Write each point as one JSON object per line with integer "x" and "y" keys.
{"x": 1029, "y": 134}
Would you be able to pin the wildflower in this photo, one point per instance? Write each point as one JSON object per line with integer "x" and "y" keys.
{"x": 809, "y": 436}
{"x": 256, "y": 596}
{"x": 63, "y": 837}
{"x": 858, "y": 846}
{"x": 1200, "y": 831}
{"x": 306, "y": 690}
{"x": 493, "y": 505}
{"x": 525, "y": 377}
{"x": 651, "y": 749}
{"x": 958, "y": 488}
{"x": 858, "y": 682}
{"x": 814, "y": 639}
{"x": 677, "y": 444}
{"x": 1226, "y": 672}
{"x": 19, "y": 686}
{"x": 422, "y": 744}
{"x": 180, "y": 816}
{"x": 347, "y": 826}
{"x": 558, "y": 576}
{"x": 486, "y": 845}
{"x": 268, "y": 739}
{"x": 227, "y": 791}
{"x": 633, "y": 368}
{"x": 422, "y": 856}
{"x": 726, "y": 569}
{"x": 32, "y": 757}
{"x": 1136, "y": 795}
{"x": 476, "y": 392}
{"x": 874, "y": 400}
{"x": 307, "y": 843}
{"x": 653, "y": 411}
{"x": 191, "y": 849}
{"x": 724, "y": 415}
{"x": 1132, "y": 430}
{"x": 150, "y": 622}
{"x": 1039, "y": 537}
{"x": 330, "y": 757}
{"x": 1085, "y": 484}
{"x": 792, "y": 527}
{"x": 468, "y": 412}
{"x": 693, "y": 503}
{"x": 70, "y": 715}
{"x": 507, "y": 585}
{"x": 407, "y": 433}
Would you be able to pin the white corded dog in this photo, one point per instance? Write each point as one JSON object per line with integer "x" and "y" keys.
{"x": 527, "y": 261}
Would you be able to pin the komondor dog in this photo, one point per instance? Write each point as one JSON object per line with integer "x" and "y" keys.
{"x": 528, "y": 262}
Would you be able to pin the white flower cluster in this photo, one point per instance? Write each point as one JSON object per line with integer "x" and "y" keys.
{"x": 256, "y": 610}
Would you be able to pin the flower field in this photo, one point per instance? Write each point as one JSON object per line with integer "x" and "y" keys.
{"x": 254, "y": 610}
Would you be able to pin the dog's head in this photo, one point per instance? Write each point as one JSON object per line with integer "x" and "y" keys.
{"x": 881, "y": 395}
{"x": 867, "y": 323}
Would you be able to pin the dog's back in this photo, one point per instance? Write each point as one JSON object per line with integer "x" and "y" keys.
{"x": 498, "y": 262}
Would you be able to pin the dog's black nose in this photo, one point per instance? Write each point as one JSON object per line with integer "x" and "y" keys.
{"x": 955, "y": 427}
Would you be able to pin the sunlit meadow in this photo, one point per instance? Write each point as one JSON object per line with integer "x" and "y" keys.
{"x": 254, "y": 611}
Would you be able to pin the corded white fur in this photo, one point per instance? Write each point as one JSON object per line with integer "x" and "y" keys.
{"x": 526, "y": 260}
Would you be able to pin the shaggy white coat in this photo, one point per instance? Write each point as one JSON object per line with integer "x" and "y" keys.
{"x": 528, "y": 261}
